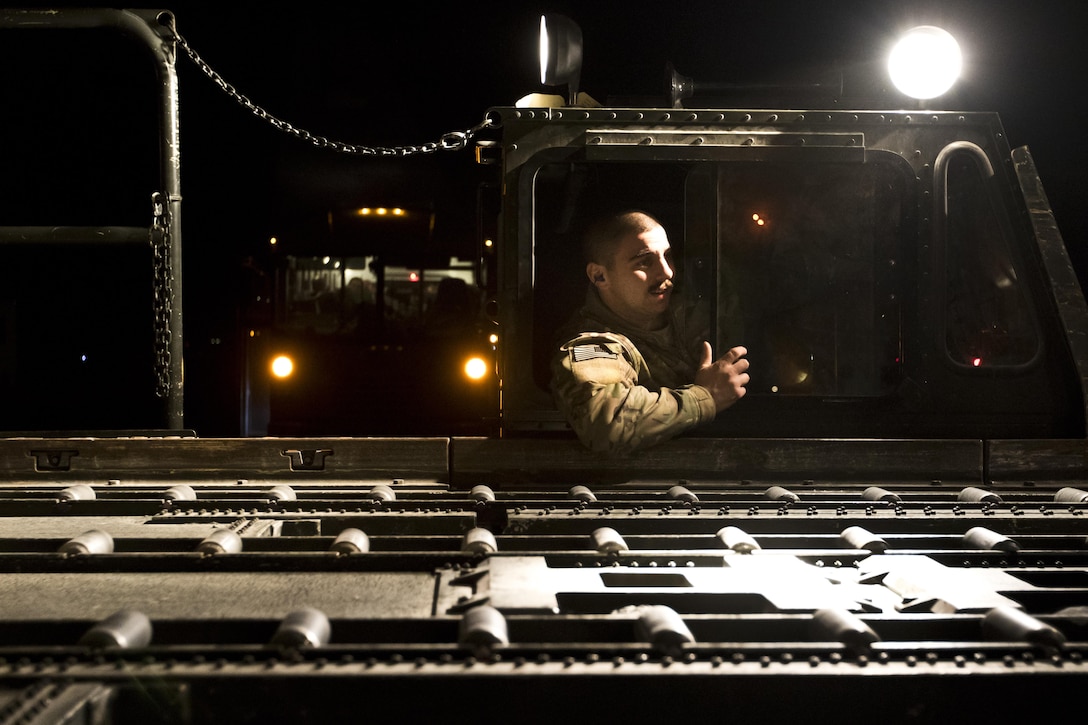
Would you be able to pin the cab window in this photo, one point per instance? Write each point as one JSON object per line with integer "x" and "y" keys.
{"x": 987, "y": 312}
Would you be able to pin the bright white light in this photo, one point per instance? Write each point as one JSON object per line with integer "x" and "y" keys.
{"x": 925, "y": 62}
{"x": 282, "y": 366}
{"x": 543, "y": 50}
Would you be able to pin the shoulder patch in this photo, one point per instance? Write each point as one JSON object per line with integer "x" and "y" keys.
{"x": 591, "y": 352}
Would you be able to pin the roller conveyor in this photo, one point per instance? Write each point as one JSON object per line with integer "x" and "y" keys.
{"x": 217, "y": 593}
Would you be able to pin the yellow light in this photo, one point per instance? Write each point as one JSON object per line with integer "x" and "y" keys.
{"x": 493, "y": 338}
{"x": 273, "y": 241}
{"x": 282, "y": 366}
{"x": 476, "y": 368}
{"x": 381, "y": 211}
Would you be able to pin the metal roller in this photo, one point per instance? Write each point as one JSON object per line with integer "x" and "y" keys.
{"x": 778, "y": 493}
{"x": 351, "y": 541}
{"x": 582, "y": 493}
{"x": 181, "y": 492}
{"x": 482, "y": 494}
{"x": 303, "y": 628}
{"x": 482, "y": 628}
{"x": 1071, "y": 495}
{"x": 124, "y": 629}
{"x": 662, "y": 627}
{"x": 979, "y": 537}
{"x": 607, "y": 540}
{"x": 479, "y": 541}
{"x": 220, "y": 541}
{"x": 78, "y": 492}
{"x": 876, "y": 493}
{"x": 843, "y": 626}
{"x": 383, "y": 493}
{"x": 857, "y": 537}
{"x": 1012, "y": 624}
{"x": 974, "y": 494}
{"x": 738, "y": 540}
{"x": 681, "y": 493}
{"x": 94, "y": 541}
{"x": 282, "y": 492}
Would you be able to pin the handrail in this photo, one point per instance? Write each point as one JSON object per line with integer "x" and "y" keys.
{"x": 154, "y": 30}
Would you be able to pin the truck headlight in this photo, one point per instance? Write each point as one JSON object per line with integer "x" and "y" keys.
{"x": 476, "y": 368}
{"x": 282, "y": 366}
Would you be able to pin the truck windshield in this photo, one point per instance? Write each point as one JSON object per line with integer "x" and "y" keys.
{"x": 359, "y": 297}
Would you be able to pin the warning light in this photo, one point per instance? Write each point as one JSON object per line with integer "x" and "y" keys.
{"x": 380, "y": 211}
{"x": 976, "y": 362}
{"x": 413, "y": 276}
{"x": 282, "y": 366}
{"x": 476, "y": 368}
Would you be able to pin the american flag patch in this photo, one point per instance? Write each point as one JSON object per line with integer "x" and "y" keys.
{"x": 591, "y": 352}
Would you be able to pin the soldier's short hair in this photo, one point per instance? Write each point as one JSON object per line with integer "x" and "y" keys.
{"x": 600, "y": 237}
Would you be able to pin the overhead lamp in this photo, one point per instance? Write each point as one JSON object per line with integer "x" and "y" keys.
{"x": 561, "y": 54}
{"x": 925, "y": 62}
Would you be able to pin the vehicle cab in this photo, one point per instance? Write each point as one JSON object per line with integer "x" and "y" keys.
{"x": 892, "y": 273}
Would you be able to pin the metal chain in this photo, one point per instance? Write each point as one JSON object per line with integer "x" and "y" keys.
{"x": 452, "y": 141}
{"x": 159, "y": 239}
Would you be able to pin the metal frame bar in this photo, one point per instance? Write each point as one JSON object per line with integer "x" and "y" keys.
{"x": 153, "y": 29}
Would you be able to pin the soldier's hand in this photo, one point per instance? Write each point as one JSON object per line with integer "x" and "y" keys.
{"x": 725, "y": 377}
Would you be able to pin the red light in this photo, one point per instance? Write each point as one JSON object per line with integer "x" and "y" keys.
{"x": 413, "y": 276}
{"x": 976, "y": 361}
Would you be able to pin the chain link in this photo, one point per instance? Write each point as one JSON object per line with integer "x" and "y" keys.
{"x": 160, "y": 240}
{"x": 452, "y": 141}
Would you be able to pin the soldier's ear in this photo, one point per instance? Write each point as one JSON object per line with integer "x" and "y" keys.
{"x": 596, "y": 273}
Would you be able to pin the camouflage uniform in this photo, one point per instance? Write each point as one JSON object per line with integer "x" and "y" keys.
{"x": 622, "y": 388}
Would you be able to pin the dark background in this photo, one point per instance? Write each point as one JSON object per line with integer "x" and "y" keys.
{"x": 404, "y": 74}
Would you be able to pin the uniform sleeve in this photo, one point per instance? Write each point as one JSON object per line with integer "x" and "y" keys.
{"x": 595, "y": 381}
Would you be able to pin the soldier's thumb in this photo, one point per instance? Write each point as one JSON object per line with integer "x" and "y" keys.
{"x": 708, "y": 355}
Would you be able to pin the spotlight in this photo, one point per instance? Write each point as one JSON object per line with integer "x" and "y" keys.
{"x": 925, "y": 62}
{"x": 561, "y": 54}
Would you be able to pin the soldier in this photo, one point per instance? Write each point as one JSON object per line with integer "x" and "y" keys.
{"x": 629, "y": 372}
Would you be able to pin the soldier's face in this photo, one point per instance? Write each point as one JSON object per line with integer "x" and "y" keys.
{"x": 637, "y": 283}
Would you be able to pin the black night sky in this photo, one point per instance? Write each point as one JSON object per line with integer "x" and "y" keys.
{"x": 406, "y": 73}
